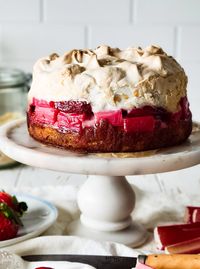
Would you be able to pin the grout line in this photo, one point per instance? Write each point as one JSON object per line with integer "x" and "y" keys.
{"x": 134, "y": 11}
{"x": 41, "y": 10}
{"x": 131, "y": 12}
{"x": 86, "y": 36}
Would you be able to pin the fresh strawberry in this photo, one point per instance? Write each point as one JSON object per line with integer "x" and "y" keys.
{"x": 8, "y": 228}
{"x": 9, "y": 222}
{"x": 10, "y": 212}
{"x": 12, "y": 202}
{"x": 8, "y": 199}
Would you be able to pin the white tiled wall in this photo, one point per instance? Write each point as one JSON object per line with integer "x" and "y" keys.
{"x": 19, "y": 11}
{"x": 126, "y": 35}
{"x": 172, "y": 12}
{"x": 87, "y": 11}
{"x": 33, "y": 28}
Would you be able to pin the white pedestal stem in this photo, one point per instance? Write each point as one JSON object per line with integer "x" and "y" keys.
{"x": 106, "y": 203}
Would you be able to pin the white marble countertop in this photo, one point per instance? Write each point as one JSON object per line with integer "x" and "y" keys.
{"x": 184, "y": 181}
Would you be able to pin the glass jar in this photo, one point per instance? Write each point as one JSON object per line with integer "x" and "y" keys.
{"x": 14, "y": 85}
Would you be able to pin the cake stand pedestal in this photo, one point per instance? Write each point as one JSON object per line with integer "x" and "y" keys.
{"x": 106, "y": 199}
{"x": 106, "y": 203}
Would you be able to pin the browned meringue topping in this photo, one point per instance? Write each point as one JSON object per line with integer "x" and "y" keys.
{"x": 110, "y": 78}
{"x": 53, "y": 56}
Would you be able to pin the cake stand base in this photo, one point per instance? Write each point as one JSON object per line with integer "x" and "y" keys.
{"x": 106, "y": 203}
{"x": 133, "y": 236}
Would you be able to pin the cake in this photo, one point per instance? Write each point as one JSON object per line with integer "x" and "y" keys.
{"x": 109, "y": 100}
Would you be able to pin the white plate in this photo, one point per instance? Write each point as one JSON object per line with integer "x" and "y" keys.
{"x": 39, "y": 217}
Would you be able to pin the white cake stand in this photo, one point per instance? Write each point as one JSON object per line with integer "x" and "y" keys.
{"x": 106, "y": 199}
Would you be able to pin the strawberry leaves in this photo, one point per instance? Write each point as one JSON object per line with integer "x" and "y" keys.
{"x": 9, "y": 213}
{"x": 11, "y": 208}
{"x": 18, "y": 207}
{"x": 21, "y": 207}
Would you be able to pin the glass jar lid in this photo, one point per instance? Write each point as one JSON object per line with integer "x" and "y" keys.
{"x": 10, "y": 77}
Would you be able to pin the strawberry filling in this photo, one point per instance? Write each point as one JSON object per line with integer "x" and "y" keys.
{"x": 46, "y": 115}
{"x": 113, "y": 117}
{"x": 139, "y": 124}
{"x": 78, "y": 107}
{"x": 147, "y": 111}
{"x": 70, "y": 121}
{"x": 76, "y": 115}
{"x": 42, "y": 103}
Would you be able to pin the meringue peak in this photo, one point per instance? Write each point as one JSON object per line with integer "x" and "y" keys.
{"x": 98, "y": 75}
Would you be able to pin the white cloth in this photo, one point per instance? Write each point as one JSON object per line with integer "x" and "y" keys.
{"x": 69, "y": 245}
{"x": 13, "y": 261}
{"x": 63, "y": 245}
{"x": 151, "y": 209}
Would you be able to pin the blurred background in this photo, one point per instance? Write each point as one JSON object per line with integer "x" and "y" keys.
{"x": 30, "y": 29}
